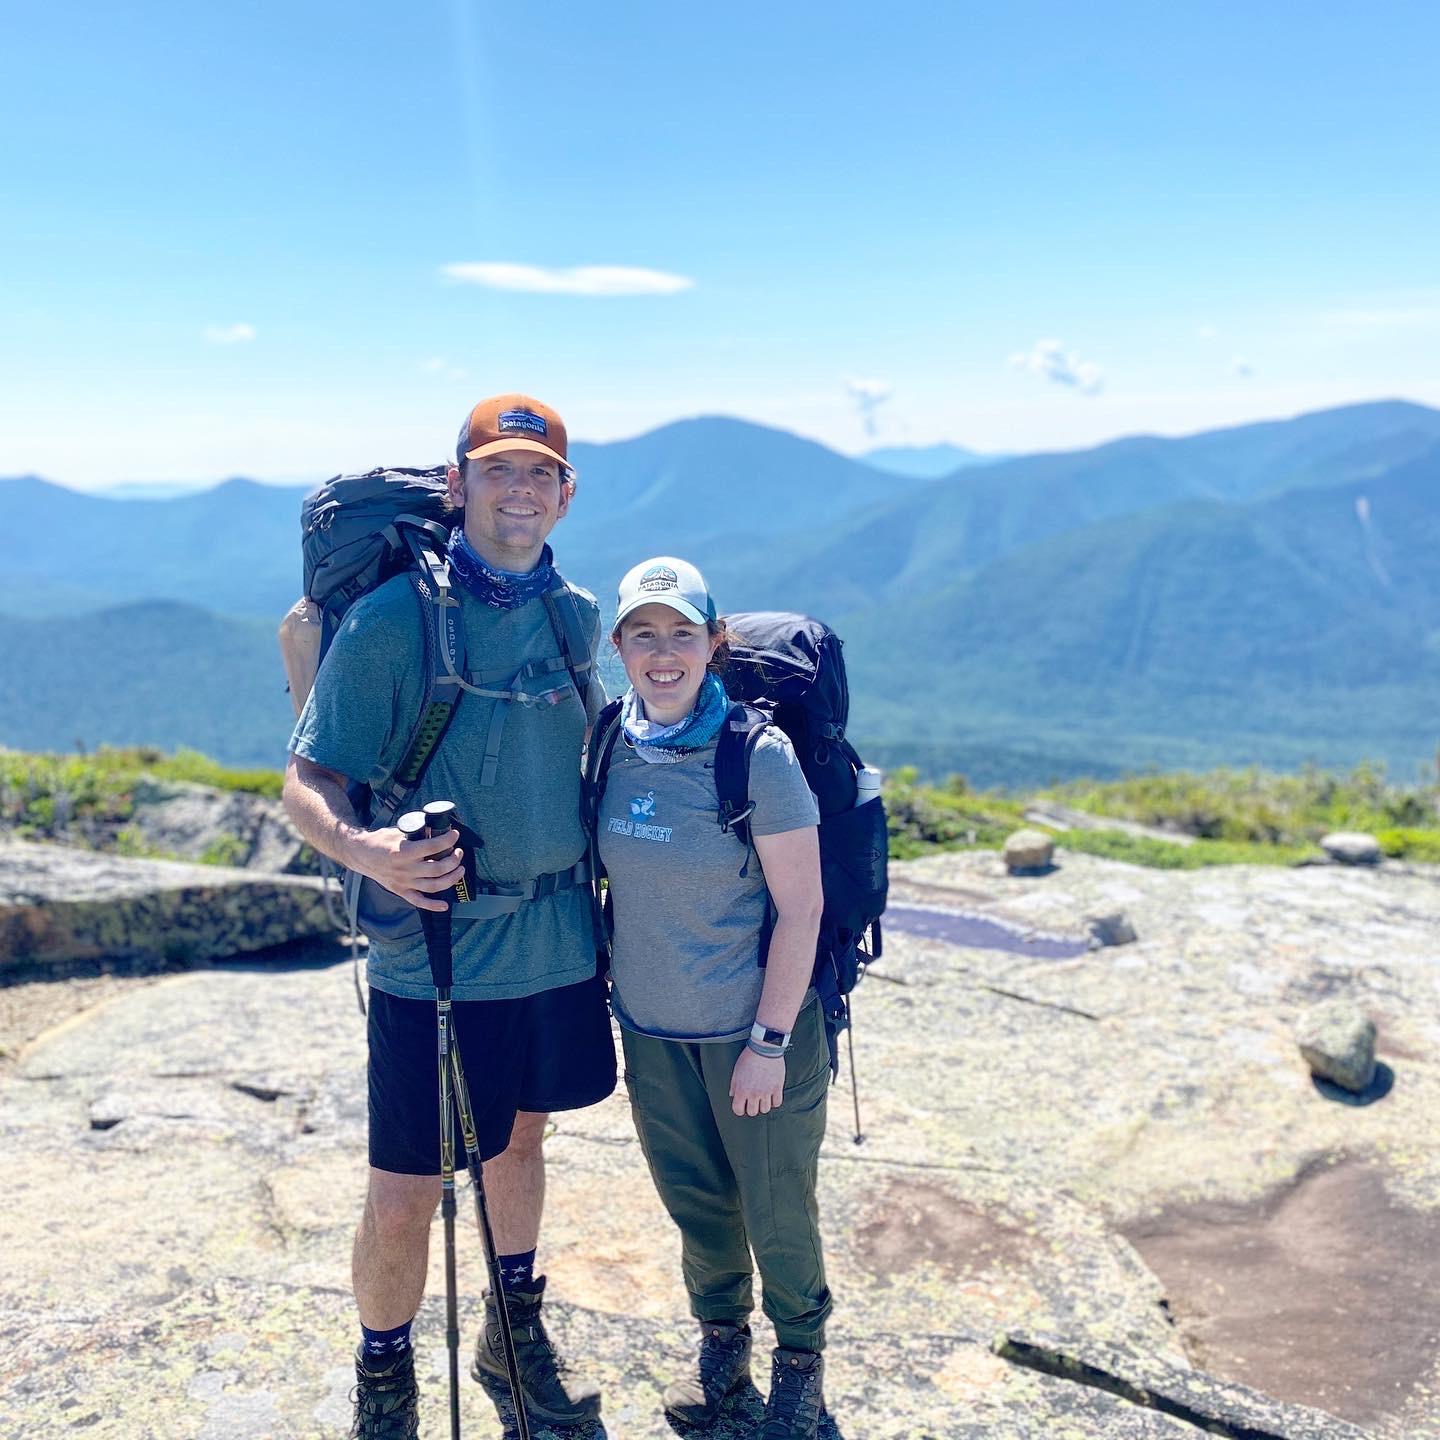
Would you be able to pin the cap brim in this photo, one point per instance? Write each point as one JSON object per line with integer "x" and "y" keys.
{"x": 683, "y": 607}
{"x": 533, "y": 446}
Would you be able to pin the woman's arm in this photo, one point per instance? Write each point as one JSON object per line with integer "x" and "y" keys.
{"x": 791, "y": 862}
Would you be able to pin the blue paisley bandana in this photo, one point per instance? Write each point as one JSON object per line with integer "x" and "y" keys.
{"x": 500, "y": 589}
{"x": 664, "y": 744}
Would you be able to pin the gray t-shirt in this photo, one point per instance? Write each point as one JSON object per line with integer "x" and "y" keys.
{"x": 359, "y": 716}
{"x": 686, "y": 954}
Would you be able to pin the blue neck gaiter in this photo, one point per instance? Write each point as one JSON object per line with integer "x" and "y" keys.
{"x": 664, "y": 744}
{"x": 500, "y": 589}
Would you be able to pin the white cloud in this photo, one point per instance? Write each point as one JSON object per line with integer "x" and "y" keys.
{"x": 1241, "y": 366}
{"x": 868, "y": 396}
{"x": 1050, "y": 361}
{"x": 228, "y": 334}
{"x": 567, "y": 280}
{"x": 1207, "y": 332}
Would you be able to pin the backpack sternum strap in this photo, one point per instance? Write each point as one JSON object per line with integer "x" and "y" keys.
{"x": 450, "y": 648}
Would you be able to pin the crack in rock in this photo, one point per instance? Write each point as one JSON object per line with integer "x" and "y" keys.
{"x": 1216, "y": 1407}
{"x": 1044, "y": 1004}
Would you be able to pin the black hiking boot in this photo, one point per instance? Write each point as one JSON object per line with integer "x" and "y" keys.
{"x": 796, "y": 1400}
{"x": 549, "y": 1394}
{"x": 387, "y": 1402}
{"x": 724, "y": 1367}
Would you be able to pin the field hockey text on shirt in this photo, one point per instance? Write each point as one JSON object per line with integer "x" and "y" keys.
{"x": 640, "y": 831}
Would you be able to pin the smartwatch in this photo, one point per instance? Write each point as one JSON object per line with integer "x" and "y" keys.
{"x": 769, "y": 1042}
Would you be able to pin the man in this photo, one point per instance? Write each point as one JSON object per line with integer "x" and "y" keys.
{"x": 530, "y": 1014}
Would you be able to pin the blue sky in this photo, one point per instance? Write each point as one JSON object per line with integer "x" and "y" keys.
{"x": 261, "y": 239}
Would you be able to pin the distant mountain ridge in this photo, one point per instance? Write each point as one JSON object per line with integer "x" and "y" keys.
{"x": 157, "y": 673}
{"x": 927, "y": 462}
{"x": 1263, "y": 592}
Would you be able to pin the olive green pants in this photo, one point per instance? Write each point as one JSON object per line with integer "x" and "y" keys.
{"x": 737, "y": 1183}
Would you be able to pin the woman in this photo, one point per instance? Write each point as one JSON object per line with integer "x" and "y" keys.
{"x": 725, "y": 1060}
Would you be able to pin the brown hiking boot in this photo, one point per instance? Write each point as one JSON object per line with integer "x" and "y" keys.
{"x": 549, "y": 1394}
{"x": 387, "y": 1402}
{"x": 724, "y": 1367}
{"x": 797, "y": 1399}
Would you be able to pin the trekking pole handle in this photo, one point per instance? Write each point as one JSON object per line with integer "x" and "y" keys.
{"x": 440, "y": 816}
{"x": 434, "y": 924}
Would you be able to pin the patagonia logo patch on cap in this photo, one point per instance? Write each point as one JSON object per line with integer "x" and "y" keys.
{"x": 525, "y": 420}
{"x": 659, "y": 577}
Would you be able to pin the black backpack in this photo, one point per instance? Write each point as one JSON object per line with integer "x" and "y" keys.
{"x": 789, "y": 672}
{"x": 359, "y": 531}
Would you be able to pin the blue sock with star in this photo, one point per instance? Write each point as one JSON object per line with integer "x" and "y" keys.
{"x": 517, "y": 1272}
{"x": 383, "y": 1348}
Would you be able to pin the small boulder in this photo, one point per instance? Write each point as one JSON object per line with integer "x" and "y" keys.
{"x": 1338, "y": 1043}
{"x": 1352, "y": 847}
{"x": 185, "y": 821}
{"x": 1028, "y": 850}
{"x": 1112, "y": 929}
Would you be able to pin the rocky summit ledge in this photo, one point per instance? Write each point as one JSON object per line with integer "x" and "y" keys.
{"x": 61, "y": 906}
{"x": 1213, "y": 1406}
{"x": 1114, "y": 1159}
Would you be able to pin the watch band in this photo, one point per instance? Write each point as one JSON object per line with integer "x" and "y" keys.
{"x": 766, "y": 1041}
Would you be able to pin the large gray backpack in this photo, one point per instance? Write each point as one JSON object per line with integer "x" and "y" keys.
{"x": 358, "y": 532}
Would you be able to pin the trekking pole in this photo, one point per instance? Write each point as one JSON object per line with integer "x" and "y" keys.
{"x": 854, "y": 1078}
{"x": 439, "y": 816}
{"x": 436, "y": 927}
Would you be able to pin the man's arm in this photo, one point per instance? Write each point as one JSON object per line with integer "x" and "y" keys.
{"x": 316, "y": 801}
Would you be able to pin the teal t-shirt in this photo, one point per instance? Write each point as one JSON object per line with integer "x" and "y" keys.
{"x": 357, "y": 721}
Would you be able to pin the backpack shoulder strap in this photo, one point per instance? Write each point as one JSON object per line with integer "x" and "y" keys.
{"x": 563, "y": 607}
{"x": 603, "y": 735}
{"x": 444, "y": 641}
{"x": 733, "y": 749}
{"x": 739, "y": 735}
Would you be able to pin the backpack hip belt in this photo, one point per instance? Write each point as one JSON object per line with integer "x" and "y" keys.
{"x": 490, "y": 901}
{"x": 487, "y": 902}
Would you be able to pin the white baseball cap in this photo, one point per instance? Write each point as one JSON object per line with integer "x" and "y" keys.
{"x": 666, "y": 581}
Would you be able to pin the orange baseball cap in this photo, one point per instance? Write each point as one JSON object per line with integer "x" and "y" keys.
{"x": 512, "y": 422}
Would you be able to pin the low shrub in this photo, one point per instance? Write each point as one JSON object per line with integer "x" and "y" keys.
{"x": 1257, "y": 806}
{"x": 1411, "y": 844}
{"x": 1168, "y": 855}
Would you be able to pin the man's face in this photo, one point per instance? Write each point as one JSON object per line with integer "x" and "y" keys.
{"x": 512, "y": 500}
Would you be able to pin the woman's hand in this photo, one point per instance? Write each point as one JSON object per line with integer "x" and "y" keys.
{"x": 757, "y": 1085}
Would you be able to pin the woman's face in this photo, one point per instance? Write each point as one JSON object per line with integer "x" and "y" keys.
{"x": 665, "y": 656}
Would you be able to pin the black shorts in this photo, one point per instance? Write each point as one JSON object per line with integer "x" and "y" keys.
{"x": 551, "y": 1051}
